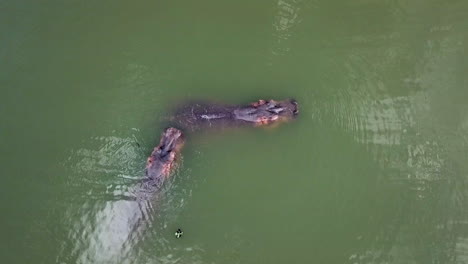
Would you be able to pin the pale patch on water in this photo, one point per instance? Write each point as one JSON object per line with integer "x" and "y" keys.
{"x": 388, "y": 124}
{"x": 384, "y": 122}
{"x": 286, "y": 19}
{"x": 110, "y": 234}
{"x": 461, "y": 249}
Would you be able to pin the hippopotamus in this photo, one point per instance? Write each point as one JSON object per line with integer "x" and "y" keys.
{"x": 202, "y": 115}
{"x": 161, "y": 161}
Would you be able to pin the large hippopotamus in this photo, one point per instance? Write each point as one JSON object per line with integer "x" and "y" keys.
{"x": 201, "y": 115}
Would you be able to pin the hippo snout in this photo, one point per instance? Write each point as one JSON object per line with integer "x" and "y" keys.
{"x": 295, "y": 110}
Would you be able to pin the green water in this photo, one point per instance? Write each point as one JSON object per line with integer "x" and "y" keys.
{"x": 374, "y": 170}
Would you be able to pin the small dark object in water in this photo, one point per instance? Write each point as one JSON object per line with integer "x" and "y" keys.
{"x": 179, "y": 233}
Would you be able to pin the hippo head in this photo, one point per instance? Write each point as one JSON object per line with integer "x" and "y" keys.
{"x": 264, "y": 112}
{"x": 163, "y": 156}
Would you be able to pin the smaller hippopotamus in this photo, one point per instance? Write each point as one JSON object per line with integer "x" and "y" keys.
{"x": 161, "y": 161}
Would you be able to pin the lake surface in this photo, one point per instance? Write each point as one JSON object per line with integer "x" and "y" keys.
{"x": 374, "y": 170}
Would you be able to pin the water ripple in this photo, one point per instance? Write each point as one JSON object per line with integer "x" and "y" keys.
{"x": 105, "y": 221}
{"x": 416, "y": 137}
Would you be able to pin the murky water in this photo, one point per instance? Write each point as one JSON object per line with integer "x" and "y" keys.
{"x": 373, "y": 171}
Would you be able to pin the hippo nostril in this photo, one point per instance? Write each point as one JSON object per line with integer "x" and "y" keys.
{"x": 295, "y": 112}
{"x": 296, "y": 108}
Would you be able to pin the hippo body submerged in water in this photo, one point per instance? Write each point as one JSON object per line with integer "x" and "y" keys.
{"x": 202, "y": 115}
{"x": 161, "y": 162}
